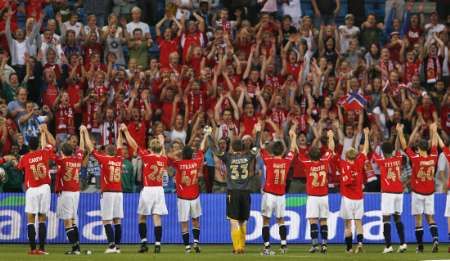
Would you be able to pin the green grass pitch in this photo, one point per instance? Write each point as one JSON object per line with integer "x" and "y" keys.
{"x": 220, "y": 253}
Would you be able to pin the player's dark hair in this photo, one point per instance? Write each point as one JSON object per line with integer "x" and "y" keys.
{"x": 237, "y": 145}
{"x": 67, "y": 149}
{"x": 277, "y": 148}
{"x": 423, "y": 145}
{"x": 314, "y": 154}
{"x": 33, "y": 143}
{"x": 187, "y": 152}
{"x": 387, "y": 148}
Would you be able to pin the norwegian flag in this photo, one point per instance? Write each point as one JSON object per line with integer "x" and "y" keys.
{"x": 354, "y": 101}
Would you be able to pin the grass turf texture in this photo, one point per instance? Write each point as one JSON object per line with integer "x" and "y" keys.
{"x": 219, "y": 253}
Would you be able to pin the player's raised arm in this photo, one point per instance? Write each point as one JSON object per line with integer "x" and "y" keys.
{"x": 82, "y": 140}
{"x": 119, "y": 144}
{"x": 366, "y": 141}
{"x": 331, "y": 144}
{"x": 162, "y": 141}
{"x": 208, "y": 131}
{"x": 88, "y": 143}
{"x": 433, "y": 134}
{"x": 401, "y": 136}
{"x": 258, "y": 128}
{"x": 43, "y": 139}
{"x": 293, "y": 138}
{"x": 131, "y": 142}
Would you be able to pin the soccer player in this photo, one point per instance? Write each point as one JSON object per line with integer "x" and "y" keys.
{"x": 67, "y": 187}
{"x": 151, "y": 200}
{"x": 422, "y": 183}
{"x": 188, "y": 191}
{"x": 238, "y": 163}
{"x": 35, "y": 165}
{"x": 316, "y": 169}
{"x": 352, "y": 203}
{"x": 273, "y": 198}
{"x": 390, "y": 165}
{"x": 446, "y": 151}
{"x": 111, "y": 201}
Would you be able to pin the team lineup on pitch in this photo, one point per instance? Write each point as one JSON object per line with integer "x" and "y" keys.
{"x": 273, "y": 201}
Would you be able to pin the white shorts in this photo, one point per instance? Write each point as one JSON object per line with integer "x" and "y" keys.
{"x": 422, "y": 204}
{"x": 188, "y": 209}
{"x": 37, "y": 200}
{"x": 317, "y": 207}
{"x": 351, "y": 208}
{"x": 447, "y": 205}
{"x": 67, "y": 206}
{"x": 111, "y": 205}
{"x": 391, "y": 203}
{"x": 275, "y": 204}
{"x": 152, "y": 202}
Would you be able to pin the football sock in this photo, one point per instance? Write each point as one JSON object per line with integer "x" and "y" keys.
{"x": 359, "y": 238}
{"x": 236, "y": 238}
{"x": 32, "y": 236}
{"x": 401, "y": 232}
{"x": 117, "y": 234}
{"x": 71, "y": 235}
{"x": 348, "y": 242}
{"x": 42, "y": 235}
{"x": 158, "y": 235}
{"x": 434, "y": 232}
{"x": 196, "y": 234}
{"x": 283, "y": 234}
{"x": 419, "y": 235}
{"x": 448, "y": 236}
{"x": 387, "y": 233}
{"x": 77, "y": 238}
{"x": 314, "y": 231}
{"x": 243, "y": 230}
{"x": 143, "y": 232}
{"x": 109, "y": 235}
{"x": 266, "y": 236}
{"x": 324, "y": 233}
{"x": 186, "y": 238}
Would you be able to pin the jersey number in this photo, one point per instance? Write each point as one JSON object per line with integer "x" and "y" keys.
{"x": 318, "y": 175}
{"x": 280, "y": 176}
{"x": 39, "y": 171}
{"x": 425, "y": 174}
{"x": 393, "y": 173}
{"x": 71, "y": 174}
{"x": 114, "y": 174}
{"x": 186, "y": 180}
{"x": 239, "y": 171}
{"x": 156, "y": 173}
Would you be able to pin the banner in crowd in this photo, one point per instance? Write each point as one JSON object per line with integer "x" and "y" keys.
{"x": 213, "y": 223}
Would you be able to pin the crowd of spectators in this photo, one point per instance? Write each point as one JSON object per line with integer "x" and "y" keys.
{"x": 225, "y": 64}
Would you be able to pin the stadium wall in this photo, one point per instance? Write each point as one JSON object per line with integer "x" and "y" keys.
{"x": 214, "y": 226}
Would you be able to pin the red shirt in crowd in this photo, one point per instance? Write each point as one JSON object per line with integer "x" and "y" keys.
{"x": 111, "y": 171}
{"x": 316, "y": 174}
{"x": 68, "y": 175}
{"x": 276, "y": 172}
{"x": 64, "y": 118}
{"x": 138, "y": 131}
{"x": 35, "y": 165}
{"x": 153, "y": 169}
{"x": 194, "y": 39}
{"x": 166, "y": 47}
{"x": 423, "y": 169}
{"x": 390, "y": 172}
{"x": 49, "y": 95}
{"x": 248, "y": 123}
{"x": 186, "y": 177}
{"x": 352, "y": 177}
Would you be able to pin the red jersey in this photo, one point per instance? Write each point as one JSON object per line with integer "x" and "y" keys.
{"x": 64, "y": 118}
{"x": 111, "y": 171}
{"x": 68, "y": 175}
{"x": 390, "y": 172}
{"x": 276, "y": 172}
{"x": 194, "y": 39}
{"x": 186, "y": 177}
{"x": 297, "y": 166}
{"x": 423, "y": 169}
{"x": 316, "y": 174}
{"x": 166, "y": 47}
{"x": 352, "y": 177}
{"x": 153, "y": 169}
{"x": 35, "y": 166}
{"x": 446, "y": 151}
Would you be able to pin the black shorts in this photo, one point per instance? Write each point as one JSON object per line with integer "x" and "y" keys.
{"x": 238, "y": 204}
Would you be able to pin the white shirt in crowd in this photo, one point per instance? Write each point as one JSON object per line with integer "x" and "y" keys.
{"x": 346, "y": 34}
{"x": 131, "y": 26}
{"x": 293, "y": 9}
{"x": 76, "y": 27}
